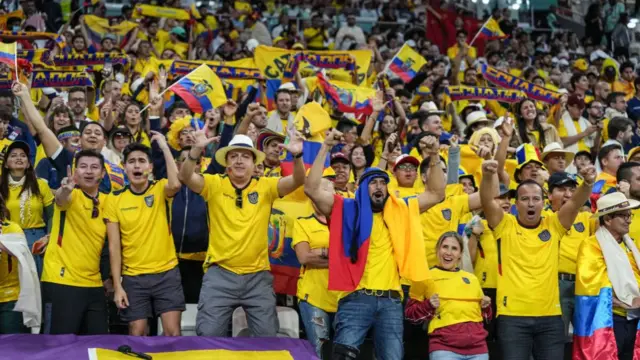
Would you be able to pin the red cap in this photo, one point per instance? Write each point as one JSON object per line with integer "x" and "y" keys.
{"x": 576, "y": 100}
{"x": 404, "y": 158}
{"x": 339, "y": 157}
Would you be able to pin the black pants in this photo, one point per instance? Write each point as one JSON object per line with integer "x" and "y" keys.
{"x": 74, "y": 310}
{"x": 520, "y": 337}
{"x": 625, "y": 332}
{"x": 191, "y": 273}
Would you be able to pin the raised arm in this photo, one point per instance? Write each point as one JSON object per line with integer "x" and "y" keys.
{"x": 434, "y": 189}
{"x": 489, "y": 183}
{"x": 63, "y": 194}
{"x": 47, "y": 137}
{"x": 187, "y": 174}
{"x": 568, "y": 212}
{"x": 503, "y": 149}
{"x": 322, "y": 198}
{"x": 289, "y": 184}
{"x": 173, "y": 183}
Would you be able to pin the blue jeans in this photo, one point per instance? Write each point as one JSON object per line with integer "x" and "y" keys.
{"x": 450, "y": 355}
{"x": 317, "y": 324}
{"x": 32, "y": 236}
{"x": 568, "y": 304}
{"x": 358, "y": 312}
{"x": 521, "y": 336}
{"x": 625, "y": 333}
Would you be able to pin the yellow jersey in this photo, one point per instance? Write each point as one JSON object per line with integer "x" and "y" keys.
{"x": 145, "y": 234}
{"x": 562, "y": 132}
{"x": 486, "y": 265}
{"x": 528, "y": 266}
{"x": 440, "y": 219}
{"x": 9, "y": 280}
{"x": 313, "y": 283}
{"x": 77, "y": 238}
{"x": 634, "y": 228}
{"x": 583, "y": 227}
{"x": 314, "y": 37}
{"x": 229, "y": 222}
{"x": 28, "y": 210}
{"x": 459, "y": 292}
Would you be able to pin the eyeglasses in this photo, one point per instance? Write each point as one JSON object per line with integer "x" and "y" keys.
{"x": 95, "y": 212}
{"x": 623, "y": 216}
{"x": 407, "y": 167}
{"x": 239, "y": 198}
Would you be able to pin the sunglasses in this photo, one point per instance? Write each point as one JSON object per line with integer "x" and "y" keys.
{"x": 239, "y": 198}
{"x": 95, "y": 212}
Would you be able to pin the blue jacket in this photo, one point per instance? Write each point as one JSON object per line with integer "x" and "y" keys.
{"x": 189, "y": 222}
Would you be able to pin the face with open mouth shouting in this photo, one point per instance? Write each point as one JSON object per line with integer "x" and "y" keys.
{"x": 529, "y": 203}
{"x": 449, "y": 252}
{"x": 92, "y": 137}
{"x": 138, "y": 167}
{"x": 378, "y": 193}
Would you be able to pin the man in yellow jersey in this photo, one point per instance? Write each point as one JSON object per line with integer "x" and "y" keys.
{"x": 405, "y": 170}
{"x": 92, "y": 138}
{"x": 342, "y": 168}
{"x": 610, "y": 158}
{"x": 141, "y": 246}
{"x": 556, "y": 158}
{"x": 562, "y": 186}
{"x": 279, "y": 119}
{"x": 270, "y": 143}
{"x": 237, "y": 272}
{"x": 625, "y": 84}
{"x": 610, "y": 257}
{"x": 316, "y": 302}
{"x": 375, "y": 300}
{"x": 72, "y": 288}
{"x": 628, "y": 177}
{"x": 575, "y": 131}
{"x": 529, "y": 312}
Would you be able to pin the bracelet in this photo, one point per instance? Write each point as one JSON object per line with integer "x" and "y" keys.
{"x": 298, "y": 155}
{"x": 192, "y": 158}
{"x": 383, "y": 158}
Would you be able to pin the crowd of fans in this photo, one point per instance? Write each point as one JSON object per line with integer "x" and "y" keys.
{"x": 464, "y": 222}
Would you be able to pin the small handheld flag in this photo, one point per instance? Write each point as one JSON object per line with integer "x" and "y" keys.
{"x": 406, "y": 63}
{"x": 201, "y": 89}
{"x": 8, "y": 56}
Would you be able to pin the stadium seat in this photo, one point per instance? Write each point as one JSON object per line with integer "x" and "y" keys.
{"x": 187, "y": 323}
{"x": 288, "y": 318}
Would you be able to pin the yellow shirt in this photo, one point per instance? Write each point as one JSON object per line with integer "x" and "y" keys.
{"x": 381, "y": 269}
{"x": 179, "y": 48}
{"x": 441, "y": 218}
{"x": 313, "y": 283}
{"x": 582, "y": 228}
{"x": 30, "y": 214}
{"x": 486, "y": 265}
{"x": 3, "y": 145}
{"x": 147, "y": 243}
{"x": 228, "y": 223}
{"x": 618, "y": 310}
{"x": 317, "y": 41}
{"x": 275, "y": 172}
{"x": 452, "y": 52}
{"x": 562, "y": 132}
{"x": 625, "y": 87}
{"x": 158, "y": 41}
{"x": 634, "y": 228}
{"x": 528, "y": 267}
{"x": 73, "y": 255}
{"x": 459, "y": 292}
{"x": 9, "y": 280}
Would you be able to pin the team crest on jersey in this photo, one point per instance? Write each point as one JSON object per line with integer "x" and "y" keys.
{"x": 446, "y": 214}
{"x": 149, "y": 200}
{"x": 253, "y": 198}
{"x": 545, "y": 235}
{"x": 466, "y": 280}
{"x": 579, "y": 227}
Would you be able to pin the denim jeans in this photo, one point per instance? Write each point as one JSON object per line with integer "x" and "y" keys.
{"x": 32, "y": 236}
{"x": 358, "y": 312}
{"x": 317, "y": 324}
{"x": 521, "y": 336}
{"x": 450, "y": 355}
{"x": 567, "y": 302}
{"x": 11, "y": 321}
{"x": 625, "y": 332}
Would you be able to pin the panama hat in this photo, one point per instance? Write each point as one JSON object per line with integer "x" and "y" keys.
{"x": 239, "y": 142}
{"x": 557, "y": 148}
{"x": 614, "y": 202}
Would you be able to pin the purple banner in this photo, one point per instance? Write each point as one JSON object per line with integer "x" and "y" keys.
{"x": 71, "y": 347}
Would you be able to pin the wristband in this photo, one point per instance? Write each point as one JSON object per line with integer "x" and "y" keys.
{"x": 298, "y": 155}
{"x": 192, "y": 158}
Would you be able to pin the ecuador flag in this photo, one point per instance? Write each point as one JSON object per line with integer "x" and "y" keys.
{"x": 201, "y": 89}
{"x": 406, "y": 63}
{"x": 8, "y": 54}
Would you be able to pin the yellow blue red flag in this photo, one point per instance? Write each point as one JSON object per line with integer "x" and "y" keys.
{"x": 491, "y": 30}
{"x": 201, "y": 89}
{"x": 8, "y": 54}
{"x": 406, "y": 63}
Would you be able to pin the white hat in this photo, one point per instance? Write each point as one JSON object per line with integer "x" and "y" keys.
{"x": 430, "y": 106}
{"x": 239, "y": 142}
{"x": 498, "y": 122}
{"x": 614, "y": 202}
{"x": 252, "y": 44}
{"x": 555, "y": 147}
{"x": 411, "y": 43}
{"x": 287, "y": 87}
{"x": 476, "y": 117}
{"x": 598, "y": 54}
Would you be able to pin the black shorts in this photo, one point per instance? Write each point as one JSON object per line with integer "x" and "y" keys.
{"x": 74, "y": 310}
{"x": 152, "y": 294}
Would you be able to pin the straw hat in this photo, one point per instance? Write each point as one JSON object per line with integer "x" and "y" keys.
{"x": 557, "y": 148}
{"x": 239, "y": 142}
{"x": 614, "y": 202}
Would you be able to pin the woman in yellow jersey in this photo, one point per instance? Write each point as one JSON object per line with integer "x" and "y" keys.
{"x": 132, "y": 119}
{"x": 317, "y": 304}
{"x": 11, "y": 322}
{"x": 361, "y": 157}
{"x": 388, "y": 126}
{"x": 29, "y": 199}
{"x": 453, "y": 303}
{"x": 530, "y": 129}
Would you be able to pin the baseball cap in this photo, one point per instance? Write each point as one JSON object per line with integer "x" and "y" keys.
{"x": 504, "y": 190}
{"x": 576, "y": 100}
{"x": 178, "y": 31}
{"x": 561, "y": 179}
{"x": 339, "y": 157}
{"x": 404, "y": 158}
